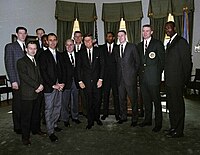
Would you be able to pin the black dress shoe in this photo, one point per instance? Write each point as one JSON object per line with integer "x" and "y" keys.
{"x": 67, "y": 124}
{"x": 26, "y": 141}
{"x": 121, "y": 121}
{"x": 168, "y": 131}
{"x": 18, "y": 131}
{"x": 175, "y": 135}
{"x": 40, "y": 133}
{"x": 99, "y": 122}
{"x": 88, "y": 127}
{"x": 53, "y": 138}
{"x": 143, "y": 124}
{"x": 117, "y": 118}
{"x": 104, "y": 117}
{"x": 77, "y": 121}
{"x": 133, "y": 124}
{"x": 156, "y": 129}
{"x": 57, "y": 129}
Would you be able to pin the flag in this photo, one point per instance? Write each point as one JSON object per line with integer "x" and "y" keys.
{"x": 185, "y": 25}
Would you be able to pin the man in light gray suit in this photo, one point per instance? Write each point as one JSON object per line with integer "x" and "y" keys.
{"x": 13, "y": 52}
{"x": 128, "y": 63}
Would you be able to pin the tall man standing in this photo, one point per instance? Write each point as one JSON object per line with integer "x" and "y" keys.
{"x": 51, "y": 67}
{"x": 177, "y": 73}
{"x": 128, "y": 63}
{"x": 90, "y": 67}
{"x": 13, "y": 52}
{"x": 151, "y": 53}
{"x": 110, "y": 74}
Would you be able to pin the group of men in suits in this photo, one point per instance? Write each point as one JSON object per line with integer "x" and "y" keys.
{"x": 58, "y": 78}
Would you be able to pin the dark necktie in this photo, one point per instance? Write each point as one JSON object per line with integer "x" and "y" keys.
{"x": 72, "y": 59}
{"x": 90, "y": 56}
{"x": 109, "y": 49}
{"x": 24, "y": 48}
{"x": 169, "y": 42}
{"x": 145, "y": 47}
{"x": 33, "y": 60}
{"x": 122, "y": 52}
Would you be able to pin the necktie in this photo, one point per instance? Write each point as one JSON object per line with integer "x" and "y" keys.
{"x": 34, "y": 62}
{"x": 145, "y": 46}
{"x": 54, "y": 56}
{"x": 90, "y": 56}
{"x": 122, "y": 52}
{"x": 169, "y": 42}
{"x": 24, "y": 48}
{"x": 109, "y": 49}
{"x": 77, "y": 48}
{"x": 72, "y": 59}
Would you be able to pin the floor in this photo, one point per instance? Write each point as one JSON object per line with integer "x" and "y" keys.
{"x": 111, "y": 138}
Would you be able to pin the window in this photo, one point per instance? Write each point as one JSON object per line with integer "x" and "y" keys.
{"x": 76, "y": 27}
{"x": 122, "y": 26}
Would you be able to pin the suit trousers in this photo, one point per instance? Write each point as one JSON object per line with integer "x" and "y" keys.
{"x": 16, "y": 109}
{"x": 30, "y": 117}
{"x": 52, "y": 109}
{"x": 176, "y": 107}
{"x": 131, "y": 91}
{"x": 109, "y": 84}
{"x": 92, "y": 95}
{"x": 69, "y": 100}
{"x": 151, "y": 93}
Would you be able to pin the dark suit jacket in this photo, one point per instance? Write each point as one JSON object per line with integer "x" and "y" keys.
{"x": 128, "y": 66}
{"x": 151, "y": 66}
{"x": 178, "y": 62}
{"x": 13, "y": 52}
{"x": 110, "y": 65}
{"x": 30, "y": 78}
{"x": 93, "y": 72}
{"x": 51, "y": 71}
{"x": 71, "y": 71}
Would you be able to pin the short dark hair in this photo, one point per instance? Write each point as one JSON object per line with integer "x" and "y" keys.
{"x": 77, "y": 32}
{"x": 110, "y": 33}
{"x": 148, "y": 25}
{"x": 31, "y": 42}
{"x": 44, "y": 36}
{"x": 39, "y": 29}
{"x": 21, "y": 28}
{"x": 122, "y": 31}
{"x": 52, "y": 34}
{"x": 172, "y": 23}
{"x": 88, "y": 35}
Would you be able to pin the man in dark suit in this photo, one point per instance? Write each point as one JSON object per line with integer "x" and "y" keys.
{"x": 70, "y": 93}
{"x": 90, "y": 67}
{"x": 110, "y": 74}
{"x": 13, "y": 52}
{"x": 51, "y": 67}
{"x": 39, "y": 32}
{"x": 41, "y": 94}
{"x": 31, "y": 82}
{"x": 177, "y": 73}
{"x": 78, "y": 41}
{"x": 128, "y": 63}
{"x": 151, "y": 53}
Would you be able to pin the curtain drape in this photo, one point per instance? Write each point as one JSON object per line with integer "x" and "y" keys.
{"x": 160, "y": 9}
{"x": 67, "y": 12}
{"x": 131, "y": 12}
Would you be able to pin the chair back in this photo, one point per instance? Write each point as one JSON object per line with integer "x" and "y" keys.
{"x": 197, "y": 75}
{"x": 3, "y": 80}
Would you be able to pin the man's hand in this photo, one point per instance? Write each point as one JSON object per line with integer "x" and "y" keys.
{"x": 82, "y": 85}
{"x": 15, "y": 86}
{"x": 99, "y": 83}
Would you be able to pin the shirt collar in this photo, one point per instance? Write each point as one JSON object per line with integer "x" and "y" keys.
{"x": 172, "y": 38}
{"x": 30, "y": 57}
